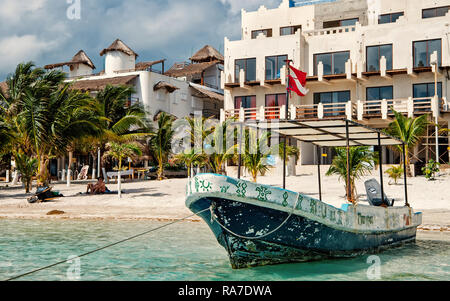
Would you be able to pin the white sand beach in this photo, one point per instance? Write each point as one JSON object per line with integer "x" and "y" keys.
{"x": 165, "y": 200}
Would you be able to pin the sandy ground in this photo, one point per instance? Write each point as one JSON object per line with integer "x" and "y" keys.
{"x": 165, "y": 200}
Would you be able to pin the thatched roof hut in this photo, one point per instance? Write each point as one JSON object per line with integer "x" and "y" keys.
{"x": 100, "y": 84}
{"x": 4, "y": 88}
{"x": 207, "y": 54}
{"x": 188, "y": 70}
{"x": 118, "y": 45}
{"x": 79, "y": 58}
{"x": 205, "y": 93}
{"x": 165, "y": 85}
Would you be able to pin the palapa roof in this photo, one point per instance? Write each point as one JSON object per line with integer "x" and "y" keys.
{"x": 79, "y": 58}
{"x": 165, "y": 85}
{"x": 4, "y": 88}
{"x": 145, "y": 65}
{"x": 205, "y": 93}
{"x": 191, "y": 69}
{"x": 118, "y": 45}
{"x": 207, "y": 54}
{"x": 100, "y": 84}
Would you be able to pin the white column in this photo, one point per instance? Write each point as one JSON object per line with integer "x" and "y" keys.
{"x": 262, "y": 113}
{"x": 320, "y": 113}
{"x": 410, "y": 106}
{"x": 384, "y": 109}
{"x": 360, "y": 110}
{"x": 7, "y": 176}
{"x": 283, "y": 112}
{"x": 348, "y": 110}
{"x": 293, "y": 112}
{"x": 320, "y": 71}
{"x": 98, "y": 163}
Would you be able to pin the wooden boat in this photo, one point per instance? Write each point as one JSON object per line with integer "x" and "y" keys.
{"x": 261, "y": 225}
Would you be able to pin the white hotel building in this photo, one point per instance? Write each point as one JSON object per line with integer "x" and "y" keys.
{"x": 362, "y": 58}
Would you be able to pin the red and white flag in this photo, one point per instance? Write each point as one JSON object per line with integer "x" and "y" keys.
{"x": 297, "y": 83}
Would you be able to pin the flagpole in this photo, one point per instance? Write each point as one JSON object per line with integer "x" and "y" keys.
{"x": 288, "y": 73}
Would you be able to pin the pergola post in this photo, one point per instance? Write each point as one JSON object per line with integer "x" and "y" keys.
{"x": 284, "y": 163}
{"x": 405, "y": 175}
{"x": 349, "y": 185}
{"x": 380, "y": 158}
{"x": 240, "y": 153}
{"x": 319, "y": 157}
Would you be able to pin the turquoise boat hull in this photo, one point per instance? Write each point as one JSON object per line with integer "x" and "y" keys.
{"x": 262, "y": 225}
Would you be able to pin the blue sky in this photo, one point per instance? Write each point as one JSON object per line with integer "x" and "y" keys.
{"x": 40, "y": 30}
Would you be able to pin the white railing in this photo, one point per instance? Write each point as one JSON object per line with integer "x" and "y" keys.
{"x": 380, "y": 109}
{"x": 328, "y": 31}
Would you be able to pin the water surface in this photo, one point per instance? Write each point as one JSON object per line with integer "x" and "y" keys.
{"x": 186, "y": 251}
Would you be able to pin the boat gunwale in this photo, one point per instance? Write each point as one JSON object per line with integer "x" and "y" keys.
{"x": 195, "y": 196}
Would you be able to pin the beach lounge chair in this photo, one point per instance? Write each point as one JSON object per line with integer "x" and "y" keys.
{"x": 83, "y": 175}
{"x": 373, "y": 190}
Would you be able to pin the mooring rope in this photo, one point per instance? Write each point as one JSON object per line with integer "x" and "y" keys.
{"x": 105, "y": 247}
{"x": 213, "y": 216}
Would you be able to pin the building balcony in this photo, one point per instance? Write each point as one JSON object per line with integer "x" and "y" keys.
{"x": 359, "y": 110}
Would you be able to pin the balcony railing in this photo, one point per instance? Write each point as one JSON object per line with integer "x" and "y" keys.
{"x": 377, "y": 109}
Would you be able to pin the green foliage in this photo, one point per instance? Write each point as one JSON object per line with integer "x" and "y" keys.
{"x": 409, "y": 130}
{"x": 362, "y": 161}
{"x": 160, "y": 143}
{"x": 290, "y": 151}
{"x": 395, "y": 173}
{"x": 121, "y": 151}
{"x": 222, "y": 147}
{"x": 191, "y": 159}
{"x": 254, "y": 157}
{"x": 27, "y": 167}
{"x": 431, "y": 169}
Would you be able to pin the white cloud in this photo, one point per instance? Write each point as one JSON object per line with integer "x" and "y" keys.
{"x": 16, "y": 49}
{"x": 14, "y": 10}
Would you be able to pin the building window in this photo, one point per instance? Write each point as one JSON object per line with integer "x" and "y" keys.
{"x": 249, "y": 67}
{"x": 289, "y": 30}
{"x": 331, "y": 97}
{"x": 333, "y": 63}
{"x": 266, "y": 32}
{"x": 338, "y": 97}
{"x": 274, "y": 65}
{"x": 245, "y": 102}
{"x": 340, "y": 23}
{"x": 389, "y": 18}
{"x": 426, "y": 90}
{"x": 275, "y": 100}
{"x": 422, "y": 51}
{"x": 435, "y": 12}
{"x": 374, "y": 54}
{"x": 379, "y": 93}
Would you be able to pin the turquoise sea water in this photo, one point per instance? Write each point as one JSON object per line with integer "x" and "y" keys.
{"x": 186, "y": 251}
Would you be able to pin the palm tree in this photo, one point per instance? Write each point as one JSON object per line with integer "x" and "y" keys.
{"x": 120, "y": 152}
{"x": 27, "y": 167}
{"x": 254, "y": 159}
{"x": 192, "y": 158}
{"x": 395, "y": 173}
{"x": 361, "y": 161}
{"x": 53, "y": 123}
{"x": 409, "y": 130}
{"x": 160, "y": 143}
{"x": 220, "y": 147}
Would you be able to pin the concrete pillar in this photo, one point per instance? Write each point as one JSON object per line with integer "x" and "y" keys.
{"x": 293, "y": 112}
{"x": 360, "y": 105}
{"x": 320, "y": 113}
{"x": 320, "y": 71}
{"x": 348, "y": 110}
{"x": 384, "y": 109}
{"x": 7, "y": 176}
{"x": 410, "y": 106}
{"x": 283, "y": 112}
{"x": 262, "y": 113}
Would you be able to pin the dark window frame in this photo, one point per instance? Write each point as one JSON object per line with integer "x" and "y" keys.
{"x": 276, "y": 98}
{"x": 266, "y": 31}
{"x": 379, "y": 87}
{"x": 331, "y": 92}
{"x": 379, "y": 56}
{"x": 332, "y": 61}
{"x": 293, "y": 28}
{"x": 428, "y": 84}
{"x": 237, "y": 80}
{"x": 340, "y": 22}
{"x": 436, "y": 10}
{"x": 246, "y": 96}
{"x": 400, "y": 13}
{"x": 265, "y": 65}
{"x": 428, "y": 54}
